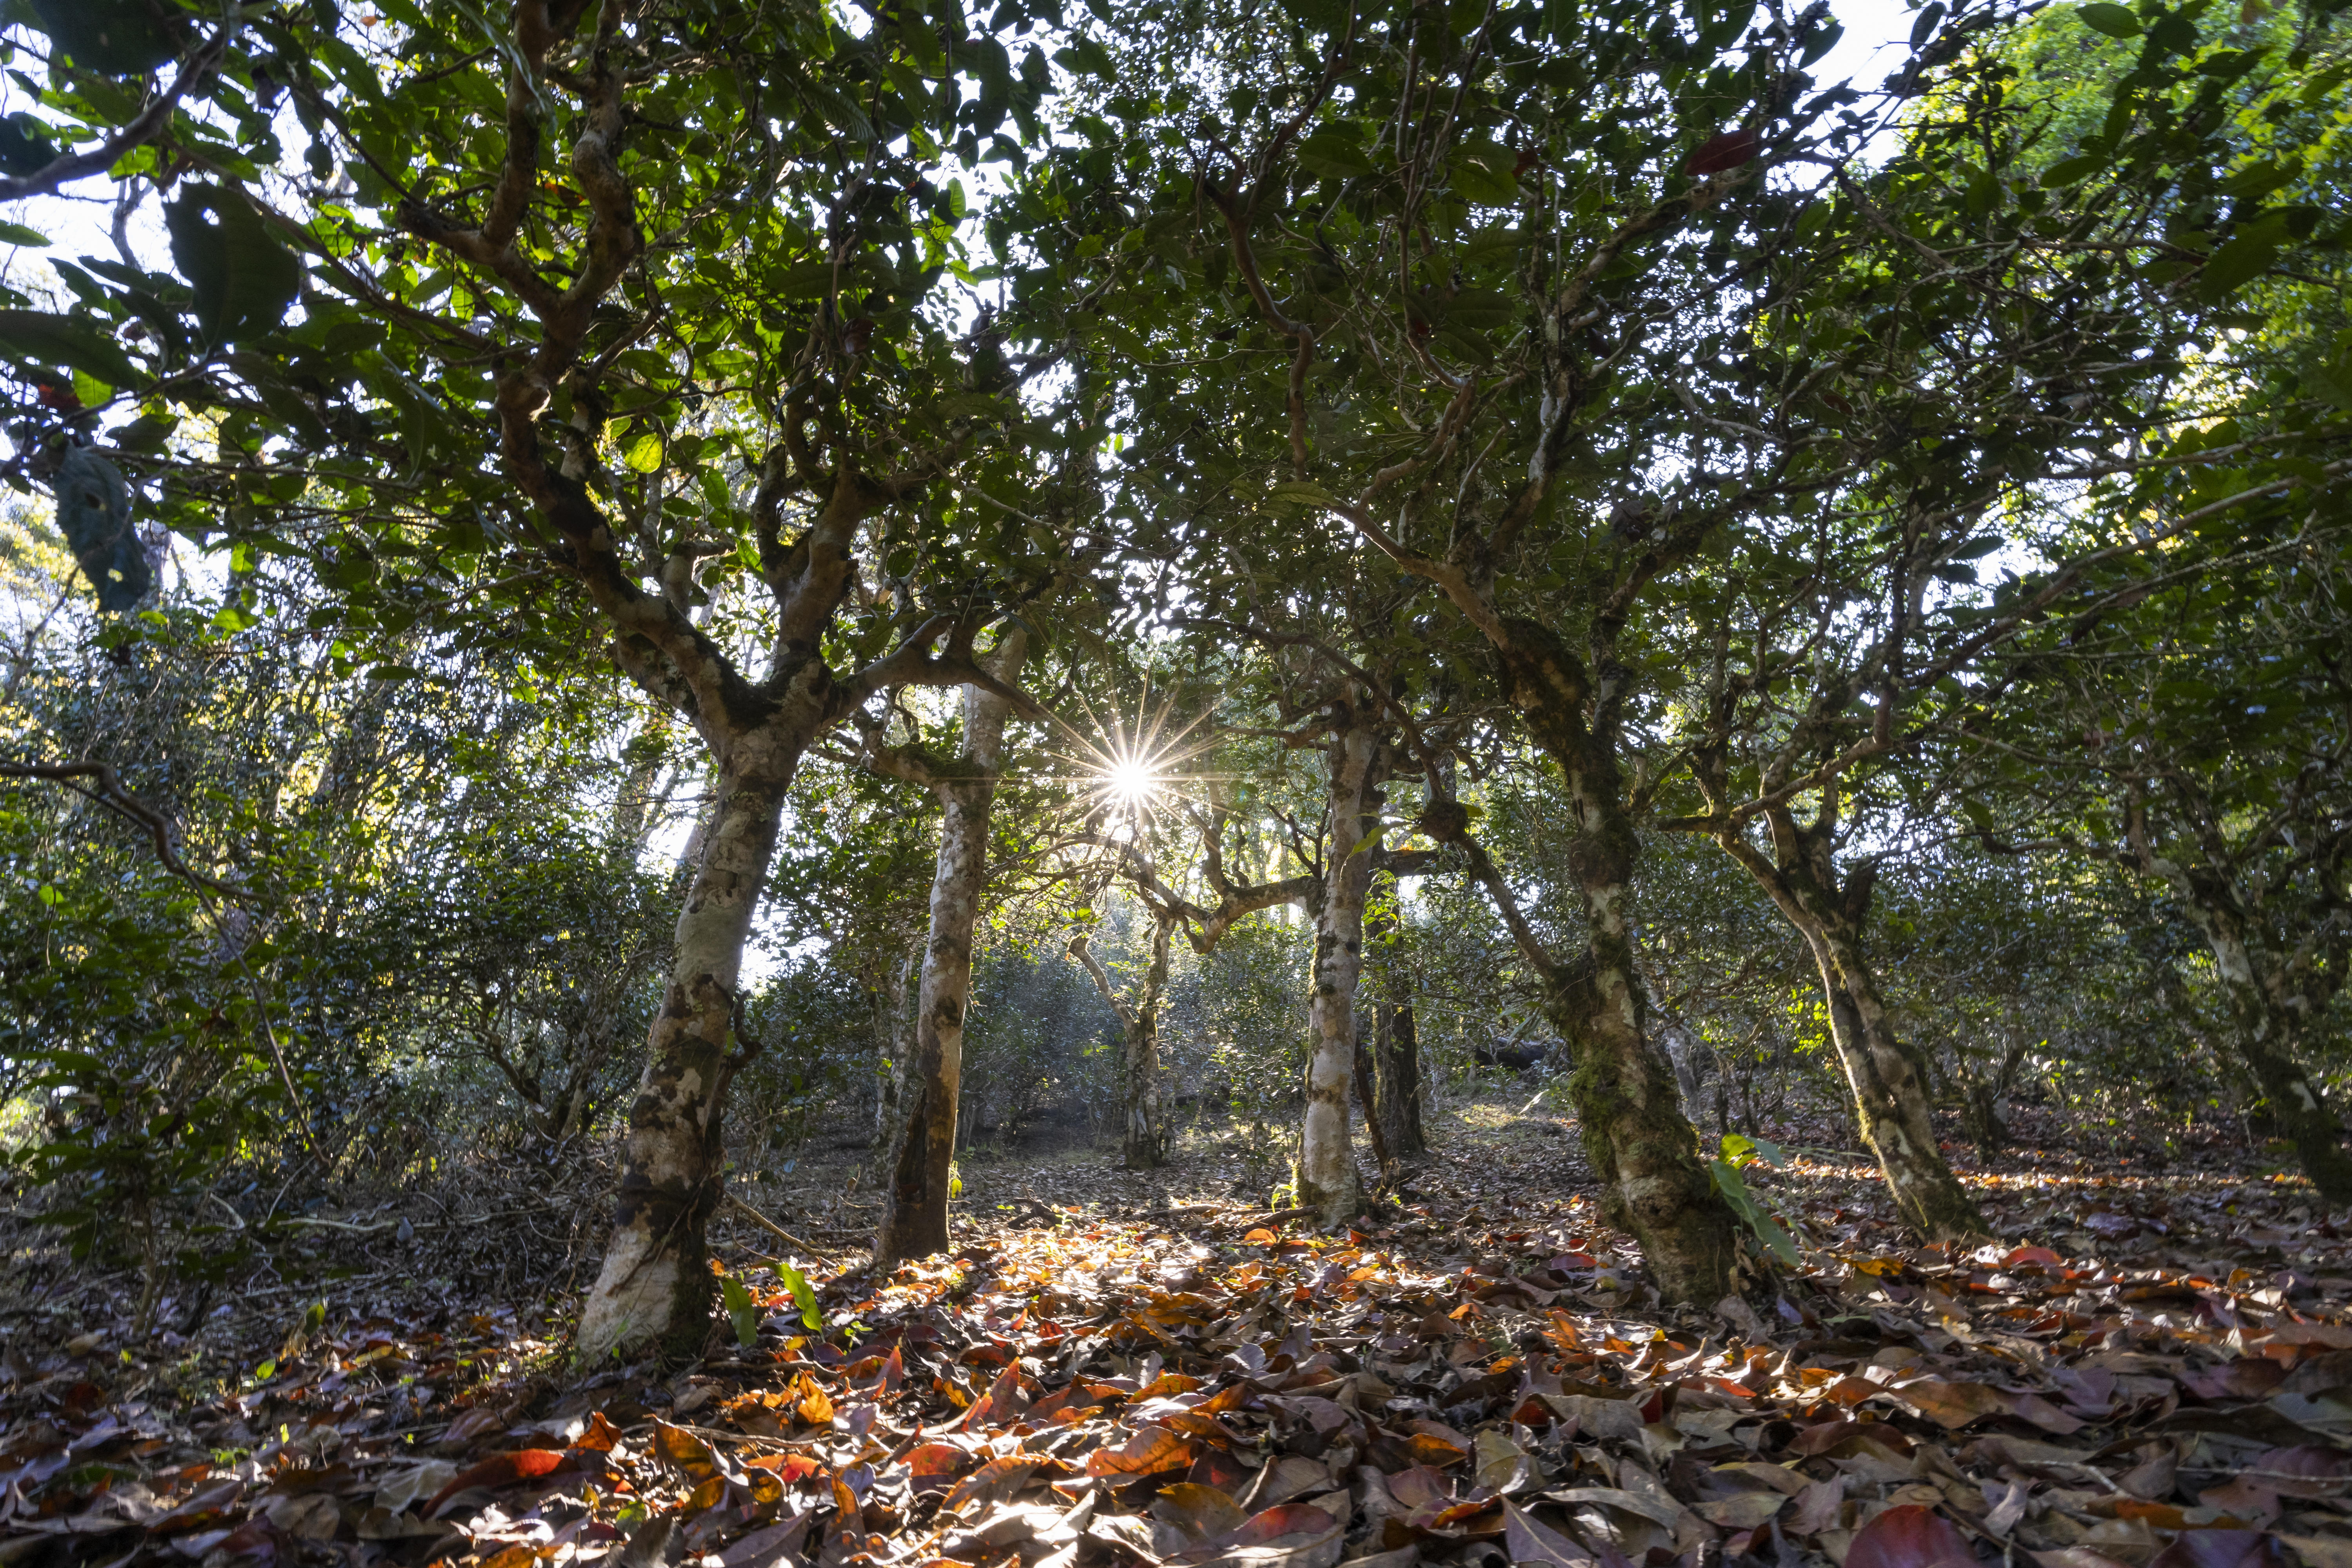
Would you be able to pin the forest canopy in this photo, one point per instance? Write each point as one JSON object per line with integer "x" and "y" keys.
{"x": 655, "y": 586}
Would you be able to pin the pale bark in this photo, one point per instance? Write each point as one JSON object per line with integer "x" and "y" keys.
{"x": 1328, "y": 1183}
{"x": 1888, "y": 1080}
{"x": 922, "y": 1145}
{"x": 656, "y": 1282}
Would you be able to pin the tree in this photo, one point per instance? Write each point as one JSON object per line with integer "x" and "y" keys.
{"x": 700, "y": 335}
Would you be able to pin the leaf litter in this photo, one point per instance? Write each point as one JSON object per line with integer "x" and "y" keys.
{"x": 2152, "y": 1373}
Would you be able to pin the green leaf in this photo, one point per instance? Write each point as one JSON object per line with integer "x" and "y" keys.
{"x": 1743, "y": 1203}
{"x": 145, "y": 435}
{"x": 1300, "y": 493}
{"x": 94, "y": 515}
{"x": 25, "y": 145}
{"x": 804, "y": 1294}
{"x": 18, "y": 233}
{"x": 117, "y": 37}
{"x": 644, "y": 453}
{"x": 741, "y": 1311}
{"x": 2240, "y": 262}
{"x": 40, "y": 339}
{"x": 2073, "y": 171}
{"x": 243, "y": 278}
{"x": 2105, "y": 16}
{"x": 1334, "y": 152}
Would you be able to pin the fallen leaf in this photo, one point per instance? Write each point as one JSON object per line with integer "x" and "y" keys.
{"x": 499, "y": 1470}
{"x": 1910, "y": 1536}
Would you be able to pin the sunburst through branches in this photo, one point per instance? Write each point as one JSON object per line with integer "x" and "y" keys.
{"x": 1139, "y": 765}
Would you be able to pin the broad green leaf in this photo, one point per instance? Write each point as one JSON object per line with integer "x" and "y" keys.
{"x": 118, "y": 38}
{"x": 645, "y": 453}
{"x": 741, "y": 1311}
{"x": 803, "y": 1294}
{"x": 243, "y": 278}
{"x": 1334, "y": 152}
{"x": 2238, "y": 263}
{"x": 2115, "y": 21}
{"x": 2073, "y": 171}
{"x": 38, "y": 339}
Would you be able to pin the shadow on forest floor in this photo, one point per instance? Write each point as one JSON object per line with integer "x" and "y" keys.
{"x": 1122, "y": 1370}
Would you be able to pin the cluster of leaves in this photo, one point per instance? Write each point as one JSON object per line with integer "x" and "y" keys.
{"x": 1209, "y": 1389}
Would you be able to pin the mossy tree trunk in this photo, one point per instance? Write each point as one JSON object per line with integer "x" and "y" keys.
{"x": 1888, "y": 1080}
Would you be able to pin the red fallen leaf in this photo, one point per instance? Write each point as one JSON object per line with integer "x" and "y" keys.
{"x": 2219, "y": 1549}
{"x": 1001, "y": 1402}
{"x": 1953, "y": 1405}
{"x": 499, "y": 1470}
{"x": 684, "y": 1452}
{"x": 600, "y": 1438}
{"x": 997, "y": 1479}
{"x": 1727, "y": 151}
{"x": 1149, "y": 1451}
{"x": 1911, "y": 1536}
{"x": 2025, "y": 1255}
{"x": 1261, "y": 1237}
{"x": 1419, "y": 1487}
{"x": 2248, "y": 1377}
{"x": 933, "y": 1467}
{"x": 1526, "y": 1539}
{"x": 778, "y": 1543}
{"x": 1428, "y": 1450}
{"x": 1286, "y": 1524}
{"x": 1201, "y": 1512}
{"x": 790, "y": 1467}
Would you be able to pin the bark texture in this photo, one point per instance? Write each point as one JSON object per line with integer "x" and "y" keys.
{"x": 1328, "y": 1181}
{"x": 922, "y": 1144}
{"x": 1888, "y": 1080}
{"x": 1644, "y": 1152}
{"x": 656, "y": 1284}
{"x": 1393, "y": 1052}
{"x": 2275, "y": 991}
{"x": 2265, "y": 1031}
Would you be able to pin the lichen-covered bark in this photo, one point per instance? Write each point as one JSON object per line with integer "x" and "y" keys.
{"x": 1143, "y": 1141}
{"x": 654, "y": 1286}
{"x": 1888, "y": 1080}
{"x": 2265, "y": 1034}
{"x": 1642, "y": 1150}
{"x": 922, "y": 1146}
{"x": 1328, "y": 1183}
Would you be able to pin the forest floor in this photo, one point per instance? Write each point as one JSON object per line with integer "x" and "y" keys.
{"x": 2153, "y": 1367}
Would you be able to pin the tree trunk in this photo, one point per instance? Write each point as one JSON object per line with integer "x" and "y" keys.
{"x": 2265, "y": 1035}
{"x": 656, "y": 1285}
{"x": 1642, "y": 1150}
{"x": 1394, "y": 1053}
{"x": 1143, "y": 1123}
{"x": 1328, "y": 1183}
{"x": 922, "y": 1144}
{"x": 1144, "y": 1144}
{"x": 1889, "y": 1083}
{"x": 894, "y": 1043}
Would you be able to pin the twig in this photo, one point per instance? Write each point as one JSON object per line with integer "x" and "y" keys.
{"x": 779, "y": 1230}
